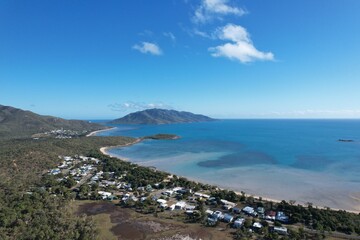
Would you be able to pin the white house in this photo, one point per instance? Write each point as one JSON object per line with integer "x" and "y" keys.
{"x": 248, "y": 210}
{"x": 161, "y": 201}
{"x": 257, "y": 225}
{"x": 209, "y": 212}
{"x": 104, "y": 195}
{"x": 180, "y": 205}
{"x": 190, "y": 207}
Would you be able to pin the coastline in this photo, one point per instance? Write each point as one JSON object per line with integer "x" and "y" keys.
{"x": 98, "y": 131}
{"x": 267, "y": 199}
{"x": 103, "y": 150}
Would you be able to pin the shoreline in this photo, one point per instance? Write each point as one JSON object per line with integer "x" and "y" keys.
{"x": 103, "y": 150}
{"x": 98, "y": 131}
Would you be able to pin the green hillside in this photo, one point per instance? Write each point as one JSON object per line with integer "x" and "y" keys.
{"x": 17, "y": 123}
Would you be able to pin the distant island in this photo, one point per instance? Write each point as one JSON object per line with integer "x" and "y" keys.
{"x": 161, "y": 116}
{"x": 18, "y": 123}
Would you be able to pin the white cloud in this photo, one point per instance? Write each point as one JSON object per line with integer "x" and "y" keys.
{"x": 137, "y": 106}
{"x": 147, "y": 47}
{"x": 240, "y": 48}
{"x": 170, "y": 35}
{"x": 202, "y": 34}
{"x": 210, "y": 9}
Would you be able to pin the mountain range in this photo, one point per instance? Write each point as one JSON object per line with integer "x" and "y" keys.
{"x": 161, "y": 116}
{"x": 18, "y": 123}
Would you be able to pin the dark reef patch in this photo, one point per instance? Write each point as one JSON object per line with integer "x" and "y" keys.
{"x": 311, "y": 162}
{"x": 239, "y": 159}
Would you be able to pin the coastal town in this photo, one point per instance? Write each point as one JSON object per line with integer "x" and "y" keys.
{"x": 168, "y": 196}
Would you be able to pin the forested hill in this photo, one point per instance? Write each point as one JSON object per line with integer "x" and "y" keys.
{"x": 18, "y": 123}
{"x": 160, "y": 116}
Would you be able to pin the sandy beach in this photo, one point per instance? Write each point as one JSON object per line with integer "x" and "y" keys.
{"x": 104, "y": 151}
{"x": 98, "y": 131}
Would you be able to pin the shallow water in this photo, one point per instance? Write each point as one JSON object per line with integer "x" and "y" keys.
{"x": 298, "y": 160}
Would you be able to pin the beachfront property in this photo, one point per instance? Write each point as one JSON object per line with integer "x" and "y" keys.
{"x": 249, "y": 210}
{"x": 270, "y": 215}
{"x": 281, "y": 217}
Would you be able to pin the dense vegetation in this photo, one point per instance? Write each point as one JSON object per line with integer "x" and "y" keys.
{"x": 136, "y": 175}
{"x": 27, "y": 210}
{"x": 17, "y": 123}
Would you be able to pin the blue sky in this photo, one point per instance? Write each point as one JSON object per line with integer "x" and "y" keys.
{"x": 227, "y": 59}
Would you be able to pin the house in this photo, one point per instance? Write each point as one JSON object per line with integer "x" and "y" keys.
{"x": 141, "y": 188}
{"x": 209, "y": 212}
{"x": 168, "y": 193}
{"x": 189, "y": 212}
{"x": 197, "y": 194}
{"x": 239, "y": 222}
{"x": 270, "y": 216}
{"x": 163, "y": 205}
{"x": 177, "y": 189}
{"x": 67, "y": 158}
{"x": 227, "y": 207}
{"x": 228, "y": 218}
{"x": 225, "y": 202}
{"x": 280, "y": 230}
{"x": 161, "y": 201}
{"x": 257, "y": 225}
{"x": 55, "y": 171}
{"x": 217, "y": 215}
{"x": 63, "y": 165}
{"x": 201, "y": 195}
{"x": 248, "y": 210}
{"x": 104, "y": 195}
{"x": 211, "y": 221}
{"x": 237, "y": 210}
{"x": 281, "y": 217}
{"x": 205, "y": 196}
{"x": 180, "y": 205}
{"x": 260, "y": 210}
{"x": 211, "y": 199}
{"x": 190, "y": 207}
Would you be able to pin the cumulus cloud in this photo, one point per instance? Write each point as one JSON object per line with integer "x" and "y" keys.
{"x": 210, "y": 9}
{"x": 137, "y": 106}
{"x": 147, "y": 47}
{"x": 240, "y": 48}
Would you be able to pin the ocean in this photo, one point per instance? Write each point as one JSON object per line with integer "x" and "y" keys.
{"x": 298, "y": 160}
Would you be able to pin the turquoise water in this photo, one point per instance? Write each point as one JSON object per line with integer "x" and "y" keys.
{"x": 281, "y": 159}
